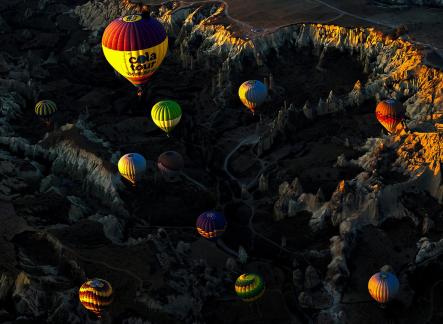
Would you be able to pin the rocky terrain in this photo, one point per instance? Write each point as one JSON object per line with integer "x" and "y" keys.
{"x": 313, "y": 190}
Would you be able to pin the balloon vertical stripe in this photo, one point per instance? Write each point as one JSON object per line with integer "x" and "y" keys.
{"x": 383, "y": 286}
{"x": 45, "y": 108}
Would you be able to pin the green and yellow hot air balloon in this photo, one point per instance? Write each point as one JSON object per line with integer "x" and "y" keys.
{"x": 45, "y": 110}
{"x": 166, "y": 115}
{"x": 249, "y": 287}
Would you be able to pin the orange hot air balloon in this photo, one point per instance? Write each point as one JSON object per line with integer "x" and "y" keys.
{"x": 383, "y": 286}
{"x": 390, "y": 113}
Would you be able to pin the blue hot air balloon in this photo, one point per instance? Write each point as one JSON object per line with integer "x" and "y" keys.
{"x": 132, "y": 166}
{"x": 211, "y": 224}
{"x": 252, "y": 93}
{"x": 383, "y": 286}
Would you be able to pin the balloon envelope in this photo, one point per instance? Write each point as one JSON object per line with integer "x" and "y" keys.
{"x": 252, "y": 93}
{"x": 211, "y": 225}
{"x": 135, "y": 47}
{"x": 95, "y": 295}
{"x": 45, "y": 108}
{"x": 132, "y": 166}
{"x": 389, "y": 113}
{"x": 383, "y": 286}
{"x": 170, "y": 163}
{"x": 166, "y": 115}
{"x": 249, "y": 287}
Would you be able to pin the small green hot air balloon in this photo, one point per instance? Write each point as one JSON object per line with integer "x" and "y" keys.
{"x": 166, "y": 115}
{"x": 45, "y": 110}
{"x": 249, "y": 287}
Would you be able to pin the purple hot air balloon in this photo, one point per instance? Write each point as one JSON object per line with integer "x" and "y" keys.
{"x": 170, "y": 164}
{"x": 211, "y": 225}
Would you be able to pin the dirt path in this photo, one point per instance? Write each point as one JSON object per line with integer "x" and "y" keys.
{"x": 252, "y": 139}
{"x": 94, "y": 261}
{"x": 249, "y": 140}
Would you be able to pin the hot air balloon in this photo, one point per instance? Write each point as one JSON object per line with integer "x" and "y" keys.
{"x": 249, "y": 287}
{"x": 135, "y": 47}
{"x": 211, "y": 225}
{"x": 252, "y": 93}
{"x": 166, "y": 115}
{"x": 383, "y": 286}
{"x": 96, "y": 295}
{"x": 390, "y": 113}
{"x": 132, "y": 166}
{"x": 170, "y": 164}
{"x": 45, "y": 109}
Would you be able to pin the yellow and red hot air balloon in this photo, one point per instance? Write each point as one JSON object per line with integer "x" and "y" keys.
{"x": 135, "y": 47}
{"x": 383, "y": 286}
{"x": 96, "y": 295}
{"x": 390, "y": 113}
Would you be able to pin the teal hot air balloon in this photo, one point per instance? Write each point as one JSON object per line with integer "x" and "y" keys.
{"x": 252, "y": 94}
{"x": 383, "y": 286}
{"x": 132, "y": 166}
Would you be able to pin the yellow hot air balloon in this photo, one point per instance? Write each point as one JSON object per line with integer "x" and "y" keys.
{"x": 132, "y": 166}
{"x": 95, "y": 295}
{"x": 135, "y": 46}
{"x": 45, "y": 109}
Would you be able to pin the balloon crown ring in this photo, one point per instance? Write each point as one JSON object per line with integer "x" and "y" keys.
{"x": 97, "y": 283}
{"x": 132, "y": 18}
